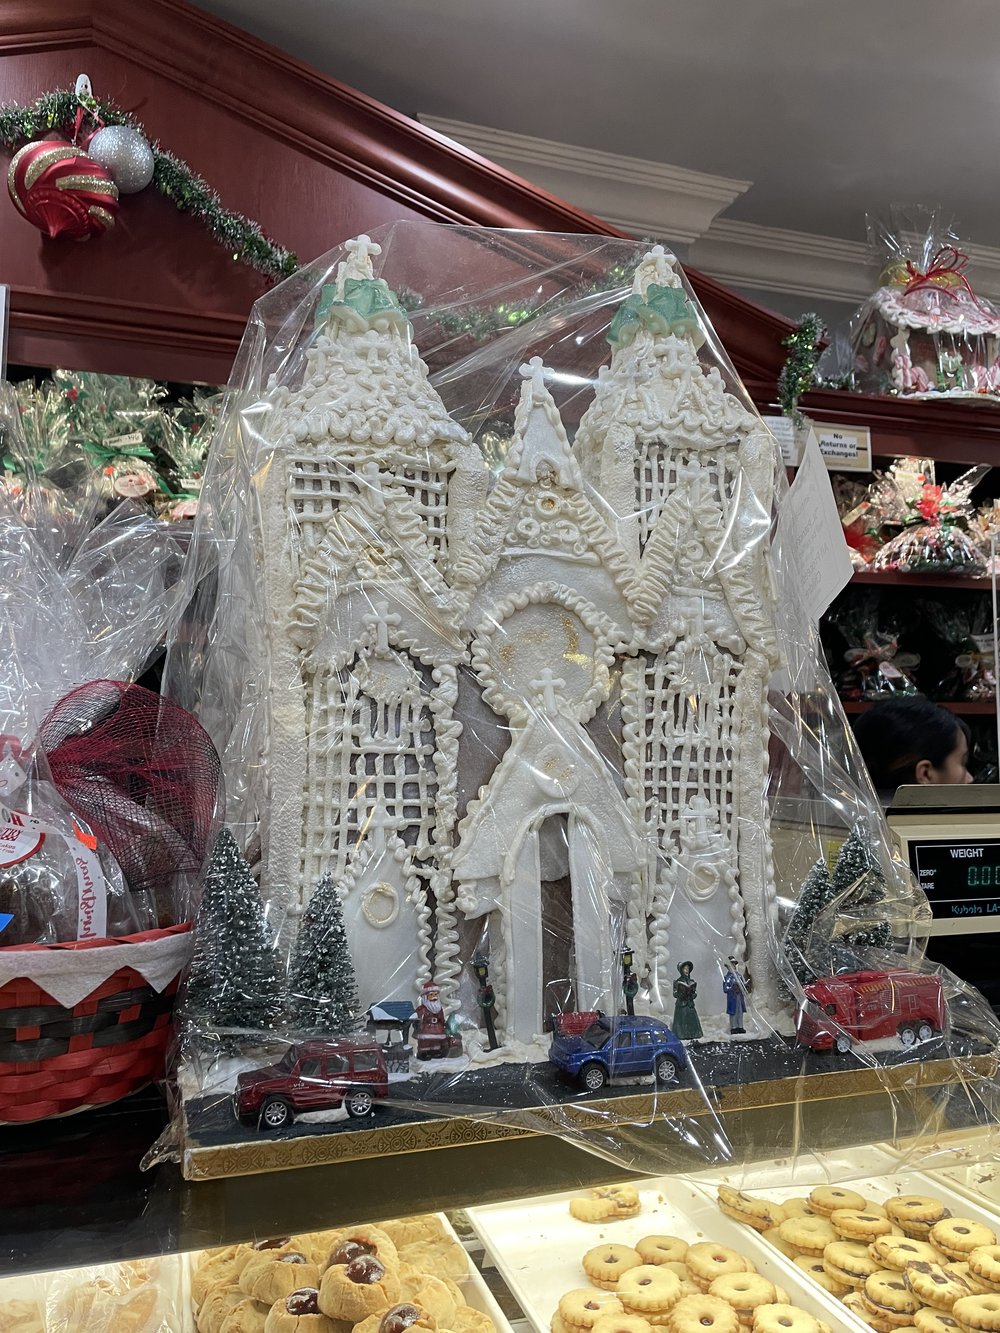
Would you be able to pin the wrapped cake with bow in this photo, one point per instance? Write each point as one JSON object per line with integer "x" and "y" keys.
{"x": 923, "y": 333}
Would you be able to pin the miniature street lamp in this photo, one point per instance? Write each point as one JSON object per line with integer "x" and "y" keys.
{"x": 486, "y": 998}
{"x": 630, "y": 982}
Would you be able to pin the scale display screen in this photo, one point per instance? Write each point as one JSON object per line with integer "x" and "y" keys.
{"x": 961, "y": 878}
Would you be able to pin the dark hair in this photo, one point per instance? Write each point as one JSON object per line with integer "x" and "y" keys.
{"x": 895, "y": 734}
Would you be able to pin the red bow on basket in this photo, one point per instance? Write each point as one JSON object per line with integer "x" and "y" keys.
{"x": 946, "y": 270}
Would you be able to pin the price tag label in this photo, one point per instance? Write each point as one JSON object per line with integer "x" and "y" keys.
{"x": 845, "y": 448}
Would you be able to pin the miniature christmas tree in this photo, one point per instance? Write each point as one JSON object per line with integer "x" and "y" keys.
{"x": 234, "y": 982}
{"x": 809, "y": 957}
{"x": 859, "y": 884}
{"x": 323, "y": 990}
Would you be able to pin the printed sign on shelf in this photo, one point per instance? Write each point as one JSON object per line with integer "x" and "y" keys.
{"x": 844, "y": 448}
{"x": 783, "y": 430}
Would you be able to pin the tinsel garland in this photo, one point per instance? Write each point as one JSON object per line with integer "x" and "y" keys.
{"x": 798, "y": 374}
{"x": 242, "y": 237}
{"x": 482, "y": 322}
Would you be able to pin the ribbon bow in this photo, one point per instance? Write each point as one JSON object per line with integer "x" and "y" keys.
{"x": 946, "y": 269}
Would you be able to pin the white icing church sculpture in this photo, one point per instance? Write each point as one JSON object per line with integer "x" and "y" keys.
{"x": 430, "y": 630}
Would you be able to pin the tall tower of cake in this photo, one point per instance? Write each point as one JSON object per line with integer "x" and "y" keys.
{"x": 688, "y": 471}
{"x": 364, "y": 631}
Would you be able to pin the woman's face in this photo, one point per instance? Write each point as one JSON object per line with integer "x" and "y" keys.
{"x": 953, "y": 769}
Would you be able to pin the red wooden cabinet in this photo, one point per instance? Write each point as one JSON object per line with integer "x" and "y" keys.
{"x": 311, "y": 160}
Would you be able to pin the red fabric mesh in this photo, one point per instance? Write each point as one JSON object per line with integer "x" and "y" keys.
{"x": 141, "y": 771}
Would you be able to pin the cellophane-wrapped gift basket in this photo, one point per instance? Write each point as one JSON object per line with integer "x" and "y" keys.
{"x": 542, "y": 811}
{"x": 924, "y": 332}
{"x": 108, "y": 797}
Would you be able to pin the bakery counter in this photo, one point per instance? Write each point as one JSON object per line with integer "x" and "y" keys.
{"x": 826, "y": 1241}
{"x": 74, "y": 1195}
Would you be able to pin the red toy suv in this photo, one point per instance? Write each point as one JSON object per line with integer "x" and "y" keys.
{"x": 316, "y": 1076}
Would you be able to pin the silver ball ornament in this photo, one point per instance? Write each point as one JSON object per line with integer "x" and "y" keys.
{"x": 125, "y": 154}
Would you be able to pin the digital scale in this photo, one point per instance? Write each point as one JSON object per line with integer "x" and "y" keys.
{"x": 950, "y": 838}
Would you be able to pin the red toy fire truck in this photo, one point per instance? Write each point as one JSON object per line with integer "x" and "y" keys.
{"x": 863, "y": 1006}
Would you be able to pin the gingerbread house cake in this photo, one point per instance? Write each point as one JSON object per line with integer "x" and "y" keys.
{"x": 521, "y": 714}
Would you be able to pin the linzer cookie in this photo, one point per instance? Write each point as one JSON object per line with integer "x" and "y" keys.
{"x": 825, "y": 1198}
{"x": 915, "y": 1213}
{"x": 957, "y": 1237}
{"x": 887, "y": 1296}
{"x": 817, "y": 1271}
{"x": 980, "y": 1313}
{"x": 933, "y": 1286}
{"x": 898, "y": 1251}
{"x": 582, "y": 1307}
{"x": 761, "y": 1214}
{"x": 605, "y": 1264}
{"x": 649, "y": 1290}
{"x": 859, "y": 1224}
{"x": 784, "y": 1319}
{"x": 744, "y": 1292}
{"x": 706, "y": 1261}
{"x": 661, "y": 1249}
{"x": 808, "y": 1235}
{"x": 849, "y": 1262}
{"x": 984, "y": 1263}
{"x": 703, "y": 1314}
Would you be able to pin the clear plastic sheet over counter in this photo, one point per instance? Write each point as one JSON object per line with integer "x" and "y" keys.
{"x": 542, "y": 807}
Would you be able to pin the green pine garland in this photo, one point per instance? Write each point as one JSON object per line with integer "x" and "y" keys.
{"x": 242, "y": 237}
{"x": 798, "y": 374}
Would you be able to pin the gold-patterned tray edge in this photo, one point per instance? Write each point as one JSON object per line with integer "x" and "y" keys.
{"x": 267, "y": 1155}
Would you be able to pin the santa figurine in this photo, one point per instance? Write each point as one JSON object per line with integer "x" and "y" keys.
{"x": 433, "y": 1037}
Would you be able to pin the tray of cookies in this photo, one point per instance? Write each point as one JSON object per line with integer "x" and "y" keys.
{"x": 409, "y": 1272}
{"x": 898, "y": 1251}
{"x": 657, "y": 1257}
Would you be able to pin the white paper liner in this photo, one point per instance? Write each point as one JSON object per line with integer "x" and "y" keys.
{"x": 69, "y": 975}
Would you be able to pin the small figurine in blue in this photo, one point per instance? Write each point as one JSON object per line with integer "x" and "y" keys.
{"x": 737, "y": 985}
{"x": 686, "y": 1024}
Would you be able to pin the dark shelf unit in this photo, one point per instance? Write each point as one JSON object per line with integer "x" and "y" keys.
{"x": 963, "y": 707}
{"x": 894, "y": 579}
{"x": 958, "y": 435}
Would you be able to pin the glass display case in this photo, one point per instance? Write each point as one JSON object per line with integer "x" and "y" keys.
{"x": 95, "y": 1244}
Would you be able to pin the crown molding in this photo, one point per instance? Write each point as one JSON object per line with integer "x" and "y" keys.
{"x": 635, "y": 195}
{"x": 772, "y": 259}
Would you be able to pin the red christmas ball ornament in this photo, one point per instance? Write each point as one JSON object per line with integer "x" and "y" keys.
{"x": 61, "y": 190}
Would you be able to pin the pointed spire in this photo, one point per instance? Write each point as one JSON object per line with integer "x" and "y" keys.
{"x": 539, "y": 435}
{"x": 358, "y": 264}
{"x": 656, "y": 266}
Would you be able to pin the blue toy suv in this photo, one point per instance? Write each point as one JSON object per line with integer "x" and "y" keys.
{"x": 618, "y": 1046}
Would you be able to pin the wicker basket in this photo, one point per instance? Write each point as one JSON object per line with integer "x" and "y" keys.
{"x": 57, "y": 1059}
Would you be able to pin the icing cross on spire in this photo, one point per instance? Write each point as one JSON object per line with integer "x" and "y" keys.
{"x": 545, "y": 686}
{"x": 657, "y": 266}
{"x": 533, "y": 372}
{"x": 358, "y": 264}
{"x": 381, "y": 622}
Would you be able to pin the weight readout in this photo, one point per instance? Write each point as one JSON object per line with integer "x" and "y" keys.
{"x": 959, "y": 878}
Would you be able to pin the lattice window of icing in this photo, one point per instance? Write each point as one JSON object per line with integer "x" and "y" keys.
{"x": 428, "y": 492}
{"x": 368, "y": 761}
{"x": 656, "y": 471}
{"x": 316, "y": 487}
{"x": 686, "y": 735}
